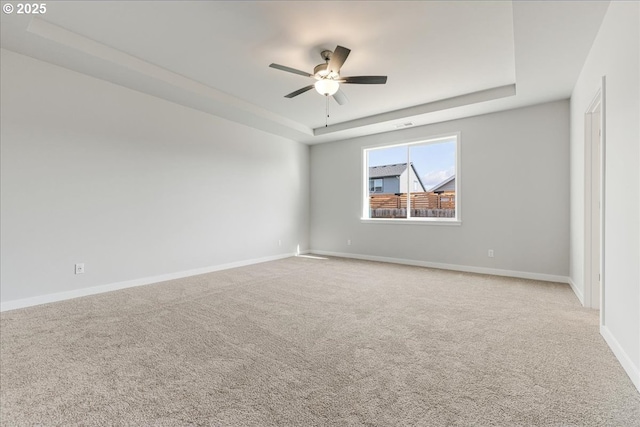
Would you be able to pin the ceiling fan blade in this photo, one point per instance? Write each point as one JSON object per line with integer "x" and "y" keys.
{"x": 340, "y": 97}
{"x": 365, "y": 80}
{"x": 299, "y": 91}
{"x": 337, "y": 58}
{"x": 290, "y": 70}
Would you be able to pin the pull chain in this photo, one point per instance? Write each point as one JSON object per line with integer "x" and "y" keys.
{"x": 326, "y": 120}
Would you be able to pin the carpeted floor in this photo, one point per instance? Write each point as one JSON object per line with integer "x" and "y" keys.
{"x": 312, "y": 342}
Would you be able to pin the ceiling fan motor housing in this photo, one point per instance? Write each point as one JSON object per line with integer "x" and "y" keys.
{"x": 321, "y": 72}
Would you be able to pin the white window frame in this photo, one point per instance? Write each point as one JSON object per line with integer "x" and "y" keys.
{"x": 414, "y": 220}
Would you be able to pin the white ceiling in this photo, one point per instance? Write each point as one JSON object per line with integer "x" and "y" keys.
{"x": 444, "y": 59}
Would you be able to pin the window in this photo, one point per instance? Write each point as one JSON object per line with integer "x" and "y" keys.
{"x": 375, "y": 185}
{"x": 413, "y": 181}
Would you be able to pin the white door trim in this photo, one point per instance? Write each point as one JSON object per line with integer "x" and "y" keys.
{"x": 594, "y": 209}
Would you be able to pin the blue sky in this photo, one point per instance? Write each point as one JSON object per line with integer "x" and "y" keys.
{"x": 434, "y": 162}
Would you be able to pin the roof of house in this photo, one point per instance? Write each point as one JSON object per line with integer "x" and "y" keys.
{"x": 392, "y": 170}
{"x": 387, "y": 170}
{"x": 442, "y": 184}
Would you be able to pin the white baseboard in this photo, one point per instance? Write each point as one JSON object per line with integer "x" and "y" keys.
{"x": 455, "y": 267}
{"x": 76, "y": 293}
{"x": 577, "y": 291}
{"x": 627, "y": 363}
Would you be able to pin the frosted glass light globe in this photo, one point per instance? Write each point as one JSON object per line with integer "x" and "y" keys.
{"x": 327, "y": 87}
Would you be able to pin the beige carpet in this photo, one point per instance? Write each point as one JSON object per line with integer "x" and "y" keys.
{"x": 308, "y": 342}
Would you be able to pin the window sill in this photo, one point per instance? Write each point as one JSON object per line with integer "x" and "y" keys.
{"x": 425, "y": 221}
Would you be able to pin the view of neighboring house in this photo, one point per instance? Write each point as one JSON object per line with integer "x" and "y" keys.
{"x": 446, "y": 186}
{"x": 392, "y": 179}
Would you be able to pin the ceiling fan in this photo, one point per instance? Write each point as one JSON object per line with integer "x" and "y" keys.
{"x": 328, "y": 76}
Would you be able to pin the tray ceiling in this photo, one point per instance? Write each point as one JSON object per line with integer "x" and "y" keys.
{"x": 444, "y": 60}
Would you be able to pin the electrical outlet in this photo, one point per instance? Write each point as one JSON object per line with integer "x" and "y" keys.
{"x": 279, "y": 242}
{"x": 490, "y": 254}
{"x": 80, "y": 268}
{"x": 348, "y": 242}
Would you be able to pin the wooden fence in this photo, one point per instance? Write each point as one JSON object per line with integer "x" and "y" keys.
{"x": 418, "y": 201}
{"x": 423, "y": 205}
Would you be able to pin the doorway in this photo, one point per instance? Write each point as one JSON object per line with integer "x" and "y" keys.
{"x": 594, "y": 255}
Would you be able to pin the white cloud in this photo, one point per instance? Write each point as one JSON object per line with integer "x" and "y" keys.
{"x": 434, "y": 178}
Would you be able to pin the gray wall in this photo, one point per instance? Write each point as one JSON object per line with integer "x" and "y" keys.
{"x": 133, "y": 186}
{"x": 390, "y": 185}
{"x": 614, "y": 54}
{"x": 514, "y": 196}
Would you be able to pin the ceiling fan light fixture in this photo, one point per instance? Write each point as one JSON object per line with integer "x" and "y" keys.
{"x": 328, "y": 76}
{"x": 327, "y": 87}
